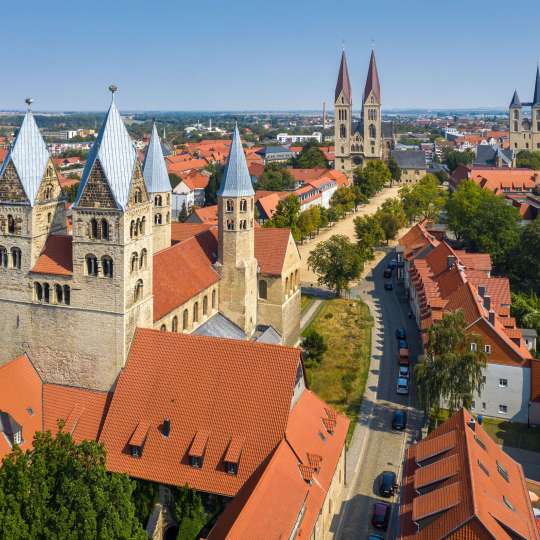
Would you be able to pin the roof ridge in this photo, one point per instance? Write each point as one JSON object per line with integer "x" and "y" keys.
{"x": 463, "y": 425}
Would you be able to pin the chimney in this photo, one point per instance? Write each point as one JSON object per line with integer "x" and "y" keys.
{"x": 166, "y": 427}
{"x": 481, "y": 290}
{"x": 491, "y": 316}
{"x": 487, "y": 301}
{"x": 451, "y": 261}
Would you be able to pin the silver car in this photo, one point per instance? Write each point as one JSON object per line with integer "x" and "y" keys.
{"x": 402, "y": 386}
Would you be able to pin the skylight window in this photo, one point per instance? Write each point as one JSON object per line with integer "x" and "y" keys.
{"x": 508, "y": 503}
{"x": 483, "y": 467}
{"x": 480, "y": 442}
{"x": 502, "y": 471}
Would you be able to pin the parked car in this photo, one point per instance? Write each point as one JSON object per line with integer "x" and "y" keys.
{"x": 375, "y": 537}
{"x": 387, "y": 484}
{"x": 381, "y": 515}
{"x": 388, "y": 286}
{"x": 401, "y": 334}
{"x": 387, "y": 273}
{"x": 404, "y": 371}
{"x": 402, "y": 344}
{"x": 393, "y": 263}
{"x": 402, "y": 386}
{"x": 399, "y": 420}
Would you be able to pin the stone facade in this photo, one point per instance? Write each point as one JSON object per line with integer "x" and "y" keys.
{"x": 524, "y": 132}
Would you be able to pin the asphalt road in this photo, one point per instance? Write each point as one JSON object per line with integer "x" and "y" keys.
{"x": 383, "y": 449}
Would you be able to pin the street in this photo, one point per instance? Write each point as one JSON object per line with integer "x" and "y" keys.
{"x": 376, "y": 447}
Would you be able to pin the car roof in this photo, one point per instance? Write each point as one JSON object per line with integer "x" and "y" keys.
{"x": 381, "y": 505}
{"x": 399, "y": 412}
{"x": 388, "y": 473}
{"x": 402, "y": 381}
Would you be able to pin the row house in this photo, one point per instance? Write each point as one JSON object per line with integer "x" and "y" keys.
{"x": 496, "y": 179}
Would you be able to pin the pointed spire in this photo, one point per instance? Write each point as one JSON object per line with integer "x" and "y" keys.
{"x": 236, "y": 179}
{"x": 28, "y": 154}
{"x": 343, "y": 82}
{"x": 536, "y": 95}
{"x": 155, "y": 173}
{"x": 515, "y": 100}
{"x": 116, "y": 154}
{"x": 372, "y": 80}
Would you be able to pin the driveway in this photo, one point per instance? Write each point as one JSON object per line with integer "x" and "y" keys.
{"x": 375, "y": 446}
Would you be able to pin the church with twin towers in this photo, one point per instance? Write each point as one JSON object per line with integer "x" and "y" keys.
{"x": 364, "y": 139}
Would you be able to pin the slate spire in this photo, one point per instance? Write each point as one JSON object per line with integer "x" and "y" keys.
{"x": 155, "y": 173}
{"x": 116, "y": 154}
{"x": 372, "y": 80}
{"x": 343, "y": 83}
{"x": 29, "y": 155}
{"x": 536, "y": 95}
{"x": 236, "y": 179}
{"x": 515, "y": 100}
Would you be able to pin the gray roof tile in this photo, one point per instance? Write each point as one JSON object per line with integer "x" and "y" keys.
{"x": 219, "y": 326}
{"x": 410, "y": 159}
{"x": 155, "y": 173}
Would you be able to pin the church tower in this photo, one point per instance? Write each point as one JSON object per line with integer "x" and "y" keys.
{"x": 535, "y": 108}
{"x": 515, "y": 114}
{"x": 343, "y": 119}
{"x": 371, "y": 113}
{"x": 236, "y": 252}
{"x": 158, "y": 186}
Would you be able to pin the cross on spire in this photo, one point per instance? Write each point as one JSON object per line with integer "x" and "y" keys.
{"x": 29, "y": 102}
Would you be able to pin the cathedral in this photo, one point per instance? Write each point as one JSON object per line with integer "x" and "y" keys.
{"x": 524, "y": 129}
{"x": 75, "y": 283}
{"x": 370, "y": 138}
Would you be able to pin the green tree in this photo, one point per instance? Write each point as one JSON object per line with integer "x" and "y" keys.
{"x": 369, "y": 233}
{"x": 372, "y": 178}
{"x": 359, "y": 197}
{"x": 210, "y": 192}
{"x": 286, "y": 215}
{"x": 314, "y": 346}
{"x": 310, "y": 157}
{"x": 483, "y": 221}
{"x": 344, "y": 197}
{"x": 526, "y": 309}
{"x": 71, "y": 191}
{"x": 450, "y": 373}
{"x": 528, "y": 159}
{"x": 424, "y": 199}
{"x": 174, "y": 179}
{"x": 454, "y": 158}
{"x": 59, "y": 489}
{"x": 323, "y": 217}
{"x": 336, "y": 262}
{"x": 395, "y": 207}
{"x": 183, "y": 215}
{"x": 305, "y": 224}
{"x": 524, "y": 263}
{"x": 145, "y": 496}
{"x": 275, "y": 178}
{"x": 395, "y": 170}
{"x": 347, "y": 383}
{"x": 315, "y": 217}
{"x": 189, "y": 513}
{"x": 335, "y": 213}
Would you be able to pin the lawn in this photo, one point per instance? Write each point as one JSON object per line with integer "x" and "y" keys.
{"x": 305, "y": 302}
{"x": 346, "y": 326}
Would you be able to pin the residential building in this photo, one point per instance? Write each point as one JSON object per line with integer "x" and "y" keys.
{"x": 491, "y": 155}
{"x": 498, "y": 180}
{"x": 440, "y": 279}
{"x": 286, "y": 138}
{"x": 412, "y": 164}
{"x": 457, "y": 484}
{"x": 524, "y": 130}
{"x": 275, "y": 154}
{"x": 190, "y": 191}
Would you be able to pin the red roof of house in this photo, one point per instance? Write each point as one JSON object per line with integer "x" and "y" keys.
{"x": 56, "y": 257}
{"x": 268, "y": 204}
{"x": 256, "y": 168}
{"x": 305, "y": 175}
{"x": 207, "y": 214}
{"x": 195, "y": 180}
{"x": 199, "y": 383}
{"x": 504, "y": 179}
{"x": 472, "y": 481}
{"x": 20, "y": 397}
{"x": 179, "y": 167}
{"x": 183, "y": 231}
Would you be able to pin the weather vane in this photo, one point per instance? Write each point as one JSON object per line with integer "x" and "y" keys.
{"x": 29, "y": 102}
{"x": 112, "y": 89}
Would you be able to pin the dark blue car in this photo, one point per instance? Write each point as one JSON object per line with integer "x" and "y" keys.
{"x": 403, "y": 344}
{"x": 400, "y": 333}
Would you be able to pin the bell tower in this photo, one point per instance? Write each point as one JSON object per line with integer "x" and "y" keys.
{"x": 371, "y": 112}
{"x": 343, "y": 119}
{"x": 236, "y": 252}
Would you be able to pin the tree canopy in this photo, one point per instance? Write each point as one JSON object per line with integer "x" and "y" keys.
{"x": 314, "y": 347}
{"x": 310, "y": 157}
{"x": 391, "y": 217}
{"x": 286, "y": 215}
{"x": 62, "y": 490}
{"x": 524, "y": 262}
{"x": 425, "y": 199}
{"x": 454, "y": 158}
{"x": 483, "y": 221}
{"x": 189, "y": 513}
{"x": 210, "y": 192}
{"x": 275, "y": 178}
{"x": 395, "y": 170}
{"x": 336, "y": 262}
{"x": 372, "y": 178}
{"x": 528, "y": 159}
{"x": 369, "y": 233}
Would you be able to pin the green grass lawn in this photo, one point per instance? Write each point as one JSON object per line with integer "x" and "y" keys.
{"x": 305, "y": 302}
{"x": 507, "y": 433}
{"x": 346, "y": 326}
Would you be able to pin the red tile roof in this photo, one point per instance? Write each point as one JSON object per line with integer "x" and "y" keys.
{"x": 268, "y": 204}
{"x": 195, "y": 180}
{"x": 499, "y": 180}
{"x": 56, "y": 257}
{"x": 305, "y": 175}
{"x": 178, "y": 167}
{"x": 183, "y": 231}
{"x": 478, "y": 490}
{"x": 199, "y": 383}
{"x": 207, "y": 214}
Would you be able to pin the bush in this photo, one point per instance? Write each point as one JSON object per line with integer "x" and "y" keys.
{"x": 314, "y": 346}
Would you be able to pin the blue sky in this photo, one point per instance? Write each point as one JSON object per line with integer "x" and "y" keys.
{"x": 241, "y": 55}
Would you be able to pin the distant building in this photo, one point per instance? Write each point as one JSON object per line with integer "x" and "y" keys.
{"x": 524, "y": 131}
{"x": 275, "y": 154}
{"x": 190, "y": 191}
{"x": 285, "y": 138}
{"x": 412, "y": 164}
{"x": 488, "y": 155}
{"x": 498, "y": 180}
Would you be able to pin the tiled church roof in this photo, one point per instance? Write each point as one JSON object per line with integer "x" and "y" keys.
{"x": 155, "y": 173}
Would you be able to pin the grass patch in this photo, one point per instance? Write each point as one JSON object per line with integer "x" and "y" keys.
{"x": 504, "y": 433}
{"x": 305, "y": 302}
{"x": 346, "y": 327}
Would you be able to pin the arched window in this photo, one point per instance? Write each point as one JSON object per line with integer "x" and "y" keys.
{"x": 263, "y": 289}
{"x": 138, "y": 195}
{"x": 59, "y": 293}
{"x": 163, "y": 328}
{"x": 168, "y": 219}
{"x": 91, "y": 265}
{"x": 93, "y": 228}
{"x": 134, "y": 261}
{"x": 205, "y": 305}
{"x": 230, "y": 224}
{"x": 243, "y": 224}
{"x": 157, "y": 219}
{"x": 39, "y": 291}
{"x": 342, "y": 131}
{"x": 104, "y": 229}
{"x": 185, "y": 319}
{"x": 16, "y": 257}
{"x": 49, "y": 218}
{"x": 516, "y": 126}
{"x": 3, "y": 257}
{"x": 67, "y": 295}
{"x": 243, "y": 205}
{"x": 168, "y": 198}
{"x": 48, "y": 192}
{"x": 157, "y": 200}
{"x": 11, "y": 224}
{"x": 142, "y": 262}
{"x": 137, "y": 227}
{"x": 214, "y": 299}
{"x": 132, "y": 229}
{"x": 516, "y": 113}
{"x": 142, "y": 225}
{"x": 372, "y": 131}
{"x": 174, "y": 325}
{"x": 229, "y": 205}
{"x": 107, "y": 265}
{"x": 196, "y": 312}
{"x": 138, "y": 290}
{"x": 46, "y": 293}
